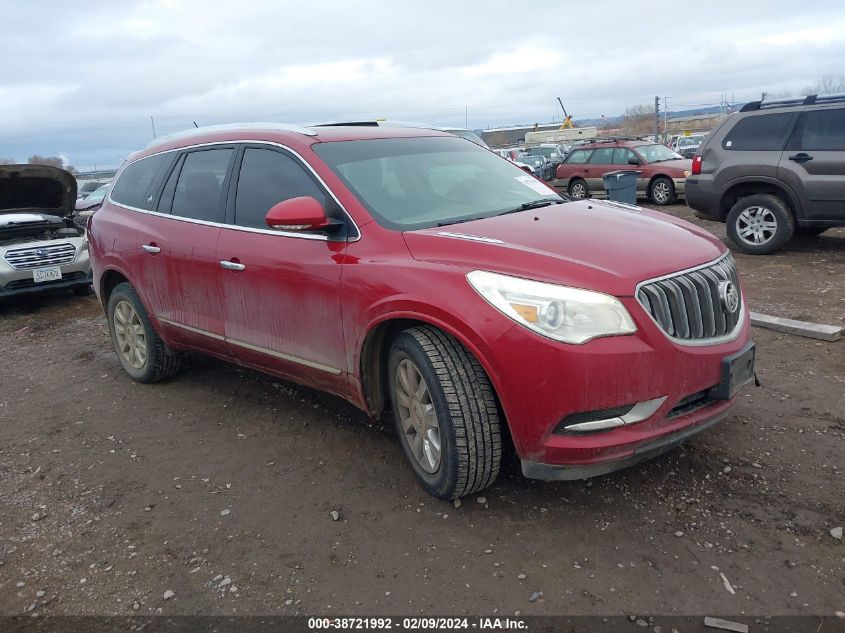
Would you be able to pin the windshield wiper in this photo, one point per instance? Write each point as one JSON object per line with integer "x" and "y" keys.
{"x": 458, "y": 221}
{"x": 534, "y": 204}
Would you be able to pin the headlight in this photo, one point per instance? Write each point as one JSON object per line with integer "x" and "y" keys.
{"x": 87, "y": 213}
{"x": 570, "y": 315}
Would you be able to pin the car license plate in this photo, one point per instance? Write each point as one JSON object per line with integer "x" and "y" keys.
{"x": 737, "y": 371}
{"x": 51, "y": 273}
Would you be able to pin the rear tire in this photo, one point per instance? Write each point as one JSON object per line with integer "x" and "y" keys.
{"x": 760, "y": 224}
{"x": 578, "y": 188}
{"x": 450, "y": 433}
{"x": 140, "y": 350}
{"x": 662, "y": 191}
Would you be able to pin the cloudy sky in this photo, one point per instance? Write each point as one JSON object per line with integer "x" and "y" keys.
{"x": 82, "y": 79}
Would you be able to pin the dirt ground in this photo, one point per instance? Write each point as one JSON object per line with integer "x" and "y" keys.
{"x": 113, "y": 493}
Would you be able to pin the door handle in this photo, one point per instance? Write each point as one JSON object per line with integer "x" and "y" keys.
{"x": 150, "y": 248}
{"x": 228, "y": 265}
{"x": 801, "y": 157}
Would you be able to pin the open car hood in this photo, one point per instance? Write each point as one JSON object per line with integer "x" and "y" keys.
{"x": 36, "y": 189}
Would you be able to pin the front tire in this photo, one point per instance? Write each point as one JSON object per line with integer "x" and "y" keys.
{"x": 662, "y": 191}
{"x": 760, "y": 224}
{"x": 140, "y": 350}
{"x": 445, "y": 413}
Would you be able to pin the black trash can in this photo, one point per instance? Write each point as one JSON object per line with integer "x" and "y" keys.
{"x": 621, "y": 185}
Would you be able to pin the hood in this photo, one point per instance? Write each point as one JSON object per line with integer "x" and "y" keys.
{"x": 679, "y": 164}
{"x": 37, "y": 188}
{"x": 594, "y": 245}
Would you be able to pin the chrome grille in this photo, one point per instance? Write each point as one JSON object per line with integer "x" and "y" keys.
{"x": 40, "y": 256}
{"x": 688, "y": 305}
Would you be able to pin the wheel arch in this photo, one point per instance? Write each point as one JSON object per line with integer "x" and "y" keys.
{"x": 375, "y": 346}
{"x": 109, "y": 280}
{"x": 748, "y": 187}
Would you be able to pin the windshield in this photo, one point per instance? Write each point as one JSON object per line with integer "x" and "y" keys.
{"x": 97, "y": 195}
{"x": 686, "y": 141}
{"x": 415, "y": 183}
{"x": 656, "y": 153}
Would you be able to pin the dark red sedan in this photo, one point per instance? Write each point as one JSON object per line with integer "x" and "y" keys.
{"x": 661, "y": 180}
{"x": 422, "y": 277}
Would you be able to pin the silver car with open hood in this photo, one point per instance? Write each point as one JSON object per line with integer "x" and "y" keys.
{"x": 40, "y": 247}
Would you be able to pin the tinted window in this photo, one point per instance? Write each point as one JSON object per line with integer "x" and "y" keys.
{"x": 136, "y": 185}
{"x": 621, "y": 155}
{"x": 759, "y": 133}
{"x": 200, "y": 182}
{"x": 267, "y": 178}
{"x": 578, "y": 156}
{"x": 823, "y": 130}
{"x": 602, "y": 156}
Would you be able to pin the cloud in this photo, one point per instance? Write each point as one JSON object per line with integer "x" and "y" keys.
{"x": 86, "y": 77}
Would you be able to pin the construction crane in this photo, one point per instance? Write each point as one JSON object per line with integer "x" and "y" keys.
{"x": 567, "y": 118}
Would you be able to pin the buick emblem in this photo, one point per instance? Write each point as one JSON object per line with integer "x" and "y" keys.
{"x": 42, "y": 252}
{"x": 729, "y": 294}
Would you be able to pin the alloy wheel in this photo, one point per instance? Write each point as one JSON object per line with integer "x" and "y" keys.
{"x": 417, "y": 415}
{"x": 578, "y": 190}
{"x": 129, "y": 334}
{"x": 756, "y": 225}
{"x": 661, "y": 192}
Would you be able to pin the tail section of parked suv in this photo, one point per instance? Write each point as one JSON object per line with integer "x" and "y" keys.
{"x": 40, "y": 246}
{"x": 421, "y": 276}
{"x": 773, "y": 169}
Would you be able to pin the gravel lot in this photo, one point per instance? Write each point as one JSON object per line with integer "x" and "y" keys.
{"x": 218, "y": 486}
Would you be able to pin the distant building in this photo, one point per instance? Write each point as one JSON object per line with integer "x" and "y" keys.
{"x": 696, "y": 123}
{"x": 505, "y": 136}
{"x": 100, "y": 174}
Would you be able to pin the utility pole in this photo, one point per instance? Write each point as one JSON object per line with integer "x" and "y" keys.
{"x": 466, "y": 117}
{"x": 656, "y": 118}
{"x": 665, "y": 115}
{"x": 153, "y": 123}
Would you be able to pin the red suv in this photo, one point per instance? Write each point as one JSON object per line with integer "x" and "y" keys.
{"x": 663, "y": 172}
{"x": 413, "y": 272}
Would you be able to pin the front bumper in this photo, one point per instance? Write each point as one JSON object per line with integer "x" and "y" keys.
{"x": 541, "y": 382}
{"x": 16, "y": 282}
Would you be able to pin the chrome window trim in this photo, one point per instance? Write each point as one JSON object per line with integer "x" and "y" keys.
{"x": 255, "y": 348}
{"x": 716, "y": 340}
{"x": 294, "y": 234}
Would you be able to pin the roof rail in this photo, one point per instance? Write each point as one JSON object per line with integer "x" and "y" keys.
{"x": 793, "y": 102}
{"x": 229, "y": 127}
{"x": 378, "y": 123}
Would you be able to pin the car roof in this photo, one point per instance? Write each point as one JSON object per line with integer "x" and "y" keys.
{"x": 294, "y": 135}
{"x": 614, "y": 143}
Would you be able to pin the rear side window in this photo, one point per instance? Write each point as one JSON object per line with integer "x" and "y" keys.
{"x": 137, "y": 183}
{"x": 579, "y": 156}
{"x": 764, "y": 132}
{"x": 197, "y": 194}
{"x": 266, "y": 178}
{"x": 621, "y": 155}
{"x": 602, "y": 156}
{"x": 821, "y": 130}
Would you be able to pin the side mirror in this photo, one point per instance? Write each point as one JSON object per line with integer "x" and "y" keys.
{"x": 299, "y": 214}
{"x": 634, "y": 161}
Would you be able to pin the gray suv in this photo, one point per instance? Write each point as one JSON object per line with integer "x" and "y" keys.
{"x": 773, "y": 169}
